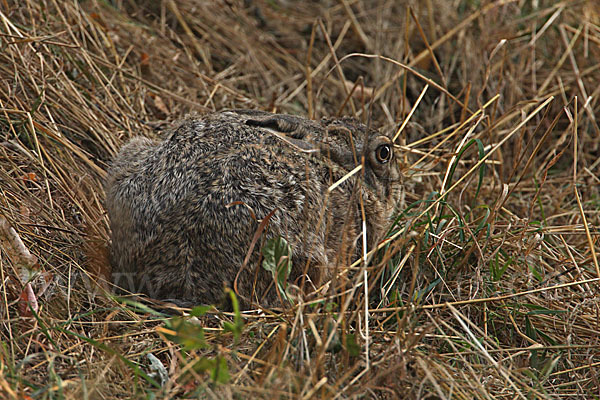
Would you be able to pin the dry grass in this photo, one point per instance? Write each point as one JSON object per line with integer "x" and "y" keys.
{"x": 488, "y": 287}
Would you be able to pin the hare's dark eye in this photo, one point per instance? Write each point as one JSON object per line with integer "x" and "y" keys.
{"x": 384, "y": 153}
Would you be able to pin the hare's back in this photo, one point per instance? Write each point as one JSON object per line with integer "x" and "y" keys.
{"x": 207, "y": 167}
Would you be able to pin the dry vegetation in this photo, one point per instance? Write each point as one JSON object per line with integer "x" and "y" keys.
{"x": 488, "y": 286}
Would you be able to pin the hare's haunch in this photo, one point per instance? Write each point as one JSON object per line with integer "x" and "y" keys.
{"x": 183, "y": 211}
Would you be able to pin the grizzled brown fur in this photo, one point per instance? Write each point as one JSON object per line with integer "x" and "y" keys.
{"x": 183, "y": 211}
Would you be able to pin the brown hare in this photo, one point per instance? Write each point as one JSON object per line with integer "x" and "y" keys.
{"x": 184, "y": 210}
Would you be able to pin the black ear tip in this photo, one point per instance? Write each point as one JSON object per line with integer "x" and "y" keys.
{"x": 262, "y": 123}
{"x": 270, "y": 123}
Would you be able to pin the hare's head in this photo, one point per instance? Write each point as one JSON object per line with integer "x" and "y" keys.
{"x": 348, "y": 142}
{"x": 345, "y": 142}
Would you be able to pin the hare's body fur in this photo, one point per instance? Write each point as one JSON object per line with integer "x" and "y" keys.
{"x": 183, "y": 211}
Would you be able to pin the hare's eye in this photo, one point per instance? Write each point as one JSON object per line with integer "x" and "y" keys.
{"x": 384, "y": 153}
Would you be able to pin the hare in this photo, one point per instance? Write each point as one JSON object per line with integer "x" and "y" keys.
{"x": 185, "y": 212}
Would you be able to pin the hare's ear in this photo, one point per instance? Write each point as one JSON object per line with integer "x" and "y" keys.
{"x": 296, "y": 132}
{"x": 288, "y": 124}
{"x": 300, "y": 145}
